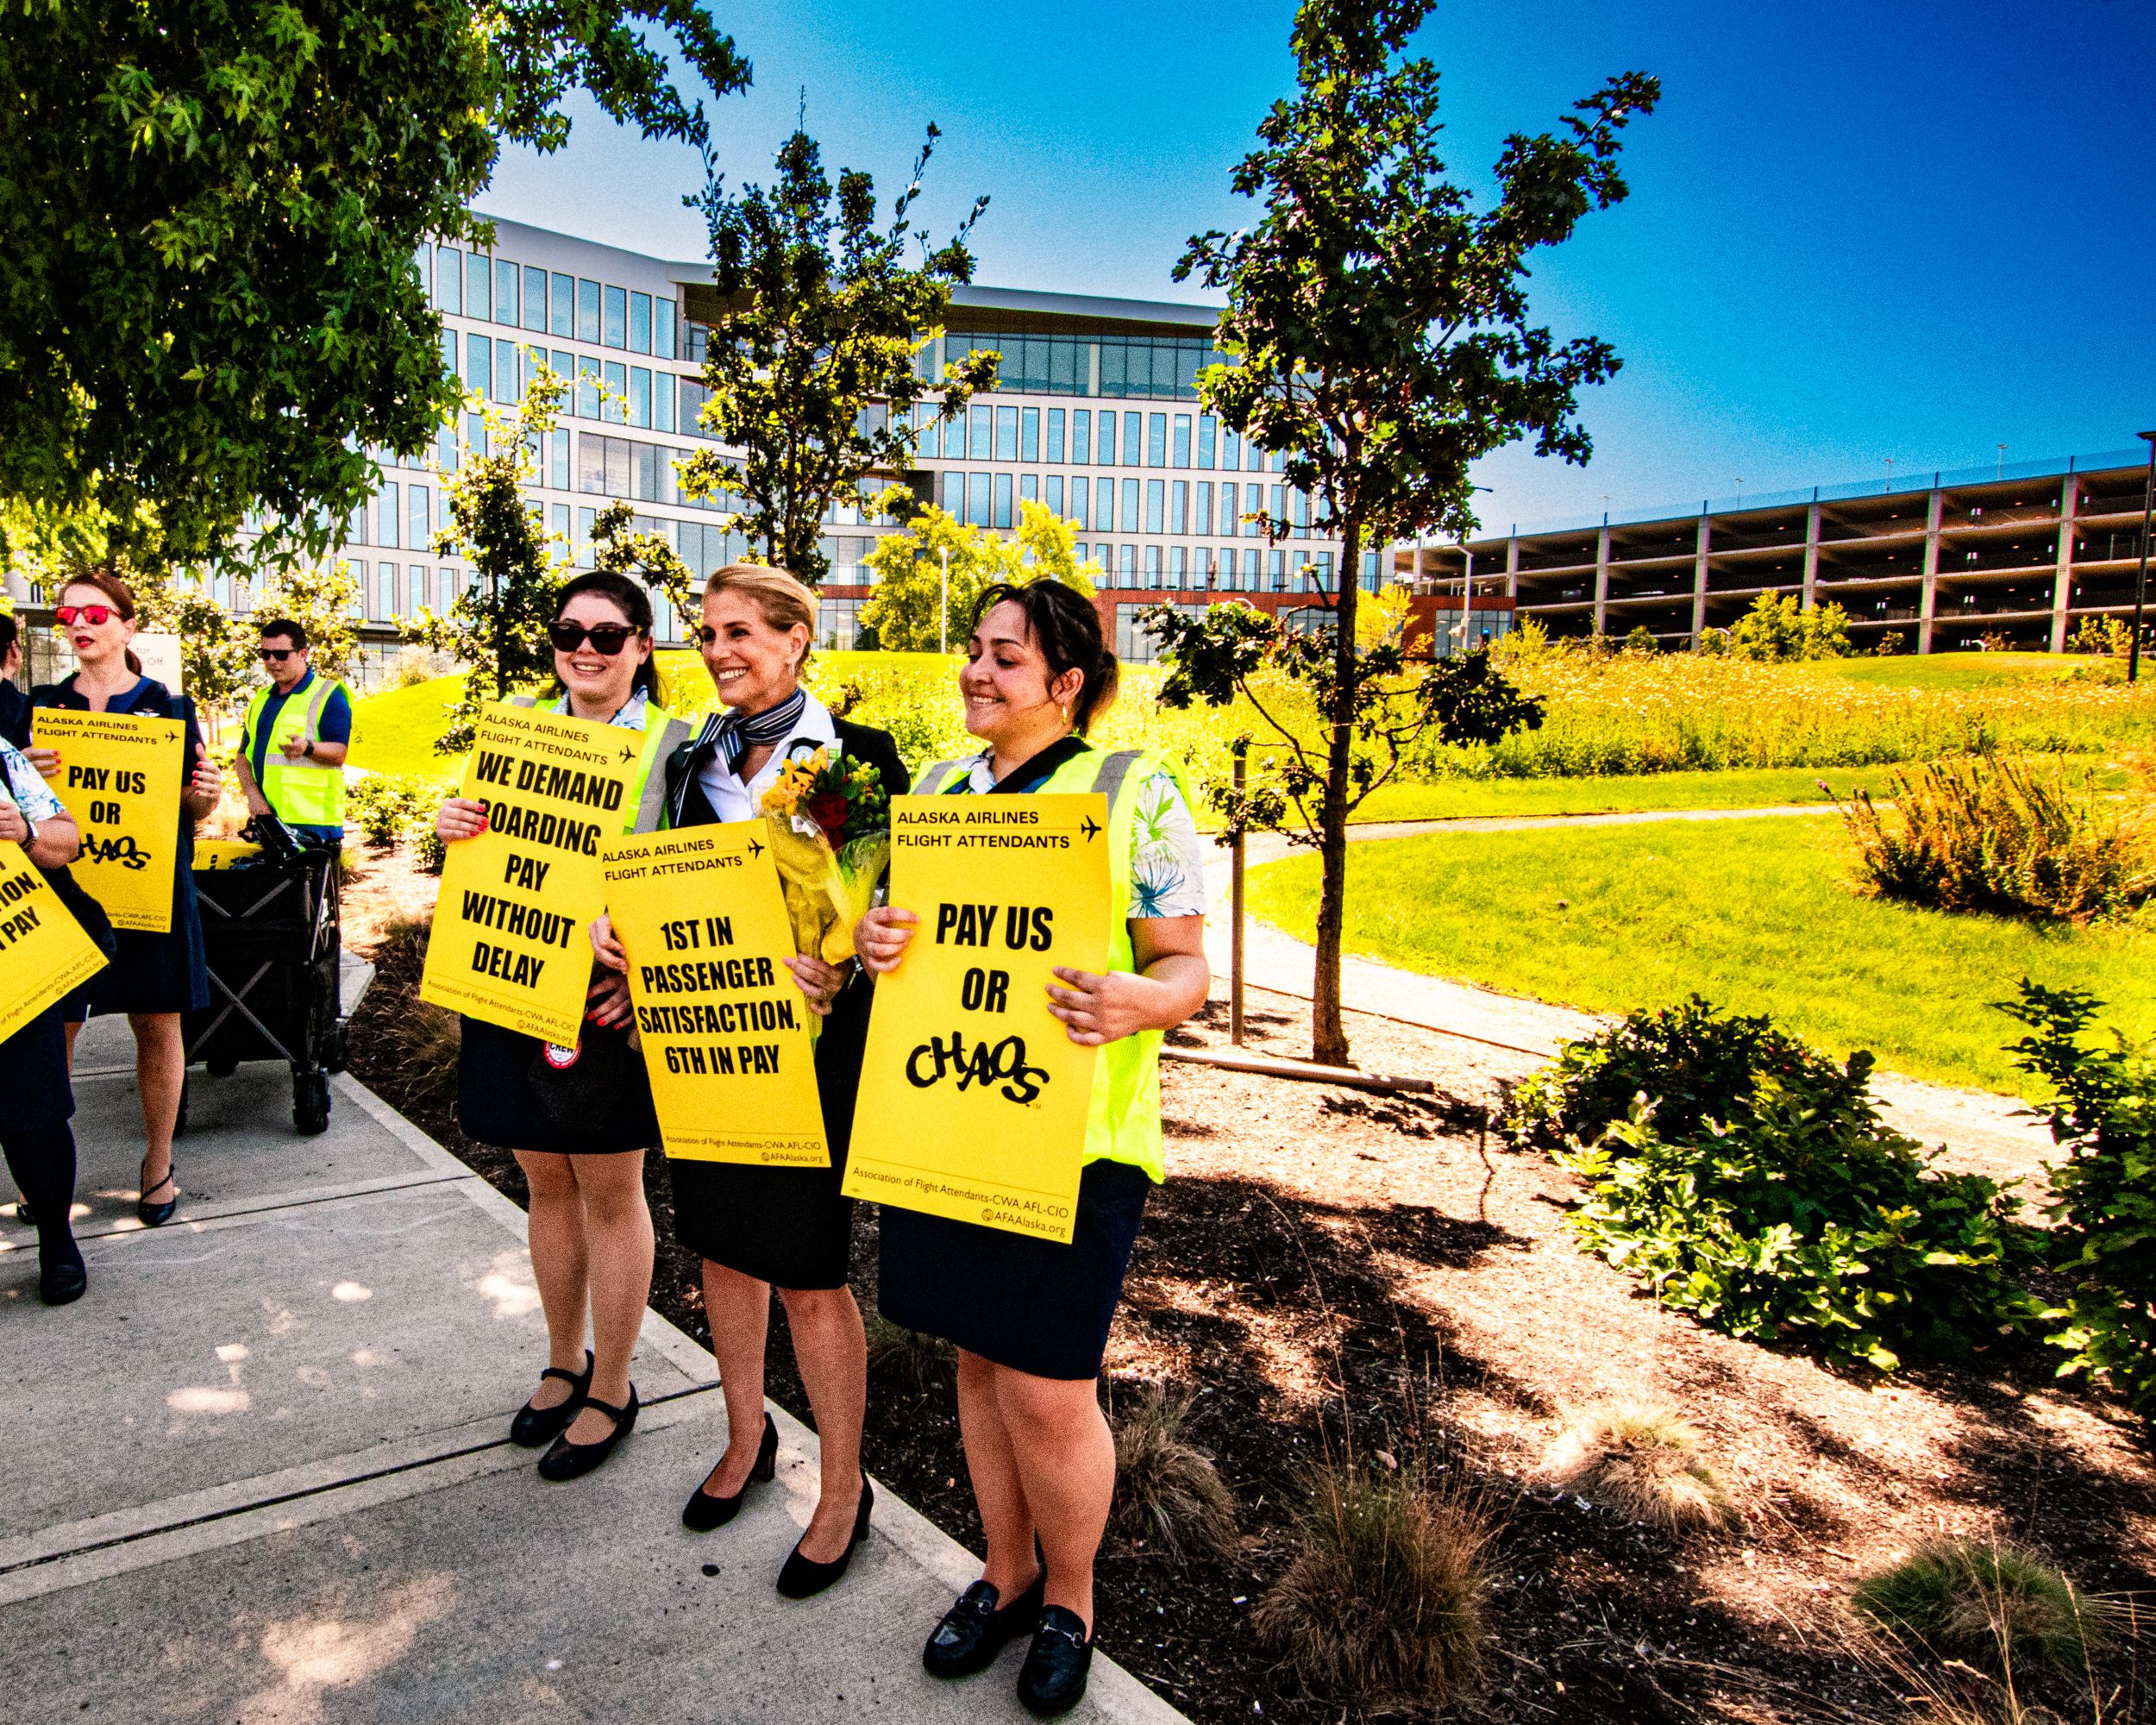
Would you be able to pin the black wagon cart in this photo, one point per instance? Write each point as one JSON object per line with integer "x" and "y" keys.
{"x": 270, "y": 930}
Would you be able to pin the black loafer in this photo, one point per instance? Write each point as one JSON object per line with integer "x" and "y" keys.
{"x": 567, "y": 1460}
{"x": 1052, "y": 1680}
{"x": 974, "y": 1631}
{"x": 801, "y": 1578}
{"x": 536, "y": 1426}
{"x": 705, "y": 1510}
{"x": 61, "y": 1278}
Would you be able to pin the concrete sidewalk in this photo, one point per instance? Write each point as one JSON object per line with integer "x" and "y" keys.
{"x": 1988, "y": 1133}
{"x": 260, "y": 1473}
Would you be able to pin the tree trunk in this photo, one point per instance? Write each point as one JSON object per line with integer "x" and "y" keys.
{"x": 1328, "y": 1036}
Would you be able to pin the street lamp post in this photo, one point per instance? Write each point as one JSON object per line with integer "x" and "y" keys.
{"x": 2141, "y": 578}
{"x": 942, "y": 603}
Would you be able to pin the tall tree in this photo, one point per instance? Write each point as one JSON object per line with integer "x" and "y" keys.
{"x": 209, "y": 210}
{"x": 1379, "y": 334}
{"x": 928, "y": 577}
{"x": 812, "y": 362}
{"x": 496, "y": 627}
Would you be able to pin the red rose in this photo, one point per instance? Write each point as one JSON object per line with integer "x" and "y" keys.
{"x": 828, "y": 810}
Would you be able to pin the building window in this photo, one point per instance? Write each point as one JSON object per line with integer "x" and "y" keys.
{"x": 1300, "y": 500}
{"x": 639, "y": 395}
{"x": 587, "y": 298}
{"x": 1181, "y": 454}
{"x": 562, "y": 306}
{"x": 1133, "y": 432}
{"x": 1030, "y": 434}
{"x": 418, "y": 517}
{"x": 1209, "y": 429}
{"x": 1006, "y": 434}
{"x": 562, "y": 364}
{"x": 580, "y": 553}
{"x": 979, "y": 490}
{"x": 1231, "y": 449}
{"x": 1055, "y": 435}
{"x": 639, "y": 323}
{"x": 1179, "y": 507}
{"x": 953, "y": 498}
{"x": 1056, "y": 494}
{"x": 558, "y": 518}
{"x": 1126, "y": 562}
{"x": 1276, "y": 570}
{"x": 479, "y": 284}
{"x": 385, "y": 591}
{"x": 1279, "y": 509}
{"x": 1081, "y": 500}
{"x": 479, "y": 365}
{"x": 1129, "y": 506}
{"x": 1157, "y": 441}
{"x": 535, "y": 299}
{"x": 1205, "y": 506}
{"x": 387, "y": 514}
{"x": 558, "y": 459}
{"x": 587, "y": 405}
{"x": 1178, "y": 567}
{"x": 449, "y": 280}
{"x": 1029, "y": 488}
{"x": 505, "y": 292}
{"x": 1003, "y": 500}
{"x": 1108, "y": 441}
{"x": 613, "y": 400}
{"x": 662, "y": 342}
{"x": 1156, "y": 506}
{"x": 505, "y": 389}
{"x": 662, "y": 403}
{"x": 615, "y": 332}
{"x": 980, "y": 435}
{"x": 417, "y": 598}
{"x": 1153, "y": 567}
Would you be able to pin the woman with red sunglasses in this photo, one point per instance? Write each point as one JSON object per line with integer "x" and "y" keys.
{"x": 153, "y": 978}
{"x": 579, "y": 1120}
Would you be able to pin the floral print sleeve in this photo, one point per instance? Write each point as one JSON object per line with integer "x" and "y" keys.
{"x": 1168, "y": 859}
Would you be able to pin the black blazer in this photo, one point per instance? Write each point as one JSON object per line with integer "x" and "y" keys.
{"x": 686, "y": 806}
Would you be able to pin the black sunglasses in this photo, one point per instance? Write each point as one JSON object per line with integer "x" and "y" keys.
{"x": 605, "y": 638}
{"x": 276, "y": 656}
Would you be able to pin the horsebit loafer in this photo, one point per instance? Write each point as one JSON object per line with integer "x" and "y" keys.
{"x": 974, "y": 1631}
{"x": 1053, "y": 1678}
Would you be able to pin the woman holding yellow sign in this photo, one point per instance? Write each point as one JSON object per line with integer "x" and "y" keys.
{"x": 762, "y": 1227}
{"x": 1030, "y": 1316}
{"x": 579, "y": 1120}
{"x": 155, "y": 977}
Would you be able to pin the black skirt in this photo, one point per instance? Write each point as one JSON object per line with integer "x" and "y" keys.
{"x": 1033, "y": 1305}
{"x": 155, "y": 973}
{"x": 34, "y": 1075}
{"x": 517, "y": 1093}
{"x": 788, "y": 1227}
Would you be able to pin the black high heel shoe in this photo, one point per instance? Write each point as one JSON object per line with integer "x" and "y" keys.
{"x": 804, "y": 1577}
{"x": 536, "y": 1426}
{"x": 705, "y": 1510}
{"x": 156, "y": 1216}
{"x": 567, "y": 1460}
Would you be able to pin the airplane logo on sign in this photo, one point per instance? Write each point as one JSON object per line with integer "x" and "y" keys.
{"x": 755, "y": 849}
{"x": 627, "y": 752}
{"x": 1089, "y": 827}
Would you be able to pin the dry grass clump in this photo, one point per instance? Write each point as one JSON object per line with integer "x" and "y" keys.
{"x": 2005, "y": 835}
{"x": 1382, "y": 1604}
{"x": 422, "y": 1040}
{"x": 1168, "y": 1496}
{"x": 906, "y": 1359}
{"x": 1641, "y": 1459}
{"x": 1994, "y": 1606}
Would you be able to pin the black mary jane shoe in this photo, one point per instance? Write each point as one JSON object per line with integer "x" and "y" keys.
{"x": 975, "y": 1629}
{"x": 1052, "y": 1680}
{"x": 156, "y": 1216}
{"x": 567, "y": 1460}
{"x": 62, "y": 1279}
{"x": 705, "y": 1510}
{"x": 536, "y": 1426}
{"x": 801, "y": 1578}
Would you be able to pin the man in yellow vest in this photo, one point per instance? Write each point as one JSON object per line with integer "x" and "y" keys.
{"x": 293, "y": 743}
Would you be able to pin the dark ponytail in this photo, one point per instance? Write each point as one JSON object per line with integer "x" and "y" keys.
{"x": 1066, "y": 626}
{"x": 634, "y": 604}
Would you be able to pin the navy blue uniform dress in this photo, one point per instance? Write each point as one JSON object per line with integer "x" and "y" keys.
{"x": 151, "y": 973}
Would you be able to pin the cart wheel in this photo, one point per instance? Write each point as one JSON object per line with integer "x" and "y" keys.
{"x": 222, "y": 1067}
{"x": 310, "y": 1103}
{"x": 336, "y": 1047}
{"x": 179, "y": 1120}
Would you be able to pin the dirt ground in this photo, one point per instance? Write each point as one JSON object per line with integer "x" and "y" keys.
{"x": 1334, "y": 1273}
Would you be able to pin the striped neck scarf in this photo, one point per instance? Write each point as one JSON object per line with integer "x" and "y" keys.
{"x": 739, "y": 733}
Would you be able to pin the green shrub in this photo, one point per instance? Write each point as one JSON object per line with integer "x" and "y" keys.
{"x": 2104, "y": 1204}
{"x": 2005, "y": 836}
{"x": 1765, "y": 1197}
{"x": 422, "y": 843}
{"x": 1994, "y": 1606}
{"x": 381, "y": 805}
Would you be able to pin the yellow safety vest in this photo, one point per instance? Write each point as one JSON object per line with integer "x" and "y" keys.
{"x": 300, "y": 791}
{"x": 663, "y": 733}
{"x": 1123, "y": 1123}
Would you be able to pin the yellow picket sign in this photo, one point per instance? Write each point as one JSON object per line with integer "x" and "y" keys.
{"x": 43, "y": 951}
{"x": 215, "y": 855}
{"x": 120, "y": 777}
{"x": 972, "y": 1097}
{"x": 724, "y": 1030}
{"x": 510, "y": 944}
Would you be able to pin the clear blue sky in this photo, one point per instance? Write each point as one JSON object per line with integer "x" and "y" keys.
{"x": 1915, "y": 230}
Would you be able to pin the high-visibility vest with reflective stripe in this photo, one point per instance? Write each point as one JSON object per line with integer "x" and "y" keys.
{"x": 1123, "y": 1123}
{"x": 303, "y": 791}
{"x": 663, "y": 733}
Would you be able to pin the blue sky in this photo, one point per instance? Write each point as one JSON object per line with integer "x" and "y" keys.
{"x": 1913, "y": 230}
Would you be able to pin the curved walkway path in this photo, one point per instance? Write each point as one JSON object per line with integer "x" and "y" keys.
{"x": 1987, "y": 1133}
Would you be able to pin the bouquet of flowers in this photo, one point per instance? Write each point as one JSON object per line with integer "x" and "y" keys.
{"x": 830, "y": 836}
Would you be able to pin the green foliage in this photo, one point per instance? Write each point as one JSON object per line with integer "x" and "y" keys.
{"x": 324, "y": 599}
{"x": 498, "y": 625}
{"x": 907, "y": 607}
{"x": 1892, "y": 642}
{"x": 383, "y": 805}
{"x": 1382, "y": 386}
{"x": 2107, "y": 635}
{"x": 210, "y": 209}
{"x": 618, "y": 549}
{"x": 1772, "y": 1202}
{"x": 811, "y": 362}
{"x": 1712, "y": 643}
{"x": 217, "y": 650}
{"x": 422, "y": 845}
{"x": 2002, "y": 835}
{"x": 2103, "y": 1110}
{"x": 1640, "y": 640}
{"x": 1994, "y": 1606}
{"x": 1775, "y": 629}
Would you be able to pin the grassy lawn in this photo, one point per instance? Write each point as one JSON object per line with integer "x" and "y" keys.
{"x": 1961, "y": 670}
{"x": 1749, "y": 787}
{"x": 394, "y": 731}
{"x": 1750, "y": 913}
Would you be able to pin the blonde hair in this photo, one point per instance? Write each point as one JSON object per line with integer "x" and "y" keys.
{"x": 778, "y": 593}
